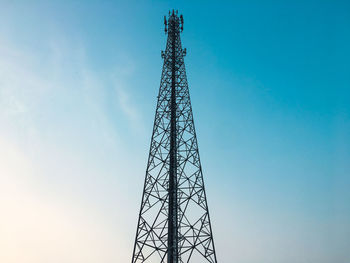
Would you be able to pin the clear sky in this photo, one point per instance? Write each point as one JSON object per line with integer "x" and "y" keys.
{"x": 270, "y": 89}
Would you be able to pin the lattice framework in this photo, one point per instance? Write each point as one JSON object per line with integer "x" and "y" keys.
{"x": 174, "y": 224}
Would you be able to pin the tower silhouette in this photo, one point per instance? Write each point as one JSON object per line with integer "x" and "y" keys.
{"x": 174, "y": 224}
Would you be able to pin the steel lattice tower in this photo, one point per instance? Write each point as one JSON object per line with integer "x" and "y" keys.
{"x": 174, "y": 224}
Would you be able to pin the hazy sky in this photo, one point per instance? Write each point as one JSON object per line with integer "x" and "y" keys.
{"x": 270, "y": 89}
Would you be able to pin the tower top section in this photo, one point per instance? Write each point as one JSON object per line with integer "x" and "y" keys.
{"x": 174, "y": 22}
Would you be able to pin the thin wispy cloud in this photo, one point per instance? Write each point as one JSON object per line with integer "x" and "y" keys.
{"x": 121, "y": 76}
{"x": 57, "y": 143}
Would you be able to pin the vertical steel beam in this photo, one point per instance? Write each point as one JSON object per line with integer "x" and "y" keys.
{"x": 172, "y": 221}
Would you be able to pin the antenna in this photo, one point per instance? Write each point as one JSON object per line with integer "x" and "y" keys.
{"x": 182, "y": 23}
{"x": 165, "y": 25}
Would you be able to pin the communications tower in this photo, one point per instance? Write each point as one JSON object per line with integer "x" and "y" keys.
{"x": 174, "y": 224}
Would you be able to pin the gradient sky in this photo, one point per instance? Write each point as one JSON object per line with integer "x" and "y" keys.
{"x": 270, "y": 90}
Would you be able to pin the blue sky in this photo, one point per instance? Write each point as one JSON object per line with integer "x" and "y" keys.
{"x": 269, "y": 83}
